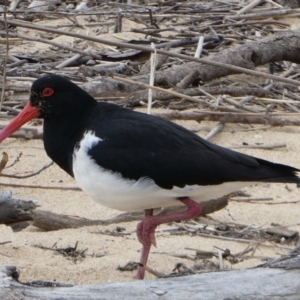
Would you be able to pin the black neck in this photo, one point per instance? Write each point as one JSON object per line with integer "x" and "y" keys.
{"x": 60, "y": 137}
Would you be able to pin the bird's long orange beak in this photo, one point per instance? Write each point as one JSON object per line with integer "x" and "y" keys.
{"x": 28, "y": 113}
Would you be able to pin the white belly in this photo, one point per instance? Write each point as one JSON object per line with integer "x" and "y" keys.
{"x": 111, "y": 190}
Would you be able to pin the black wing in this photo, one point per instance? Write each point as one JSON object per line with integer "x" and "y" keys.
{"x": 138, "y": 145}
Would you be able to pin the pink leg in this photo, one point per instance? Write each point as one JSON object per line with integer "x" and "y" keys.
{"x": 146, "y": 229}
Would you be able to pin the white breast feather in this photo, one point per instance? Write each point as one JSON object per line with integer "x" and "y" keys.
{"x": 112, "y": 190}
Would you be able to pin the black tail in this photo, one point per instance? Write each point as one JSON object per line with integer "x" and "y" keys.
{"x": 274, "y": 172}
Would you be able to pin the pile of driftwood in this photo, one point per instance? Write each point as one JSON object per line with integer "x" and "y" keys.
{"x": 225, "y": 61}
{"x": 229, "y": 38}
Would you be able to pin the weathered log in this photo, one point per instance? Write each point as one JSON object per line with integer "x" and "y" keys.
{"x": 261, "y": 283}
{"x": 278, "y": 47}
{"x": 51, "y": 221}
{"x": 14, "y": 212}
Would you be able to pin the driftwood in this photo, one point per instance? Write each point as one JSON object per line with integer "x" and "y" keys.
{"x": 281, "y": 46}
{"x": 241, "y": 59}
{"x": 260, "y": 283}
{"x": 15, "y": 212}
{"x": 51, "y": 221}
{"x": 233, "y": 47}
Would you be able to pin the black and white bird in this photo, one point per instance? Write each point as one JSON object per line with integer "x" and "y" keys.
{"x": 132, "y": 161}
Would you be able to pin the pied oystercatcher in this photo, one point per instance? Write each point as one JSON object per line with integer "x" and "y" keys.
{"x": 132, "y": 161}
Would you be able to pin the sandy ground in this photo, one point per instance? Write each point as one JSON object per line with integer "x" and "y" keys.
{"x": 36, "y": 263}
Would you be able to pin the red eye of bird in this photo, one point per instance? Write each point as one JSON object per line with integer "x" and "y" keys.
{"x": 47, "y": 92}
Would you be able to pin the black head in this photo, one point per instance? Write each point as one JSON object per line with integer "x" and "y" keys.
{"x": 56, "y": 97}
